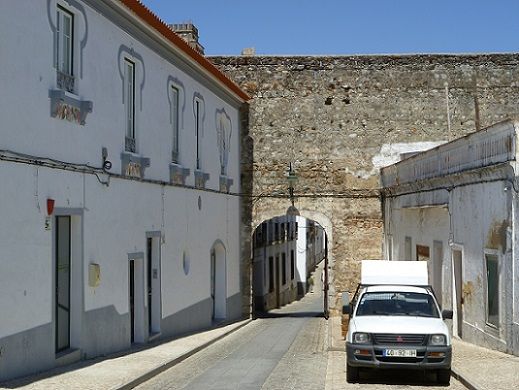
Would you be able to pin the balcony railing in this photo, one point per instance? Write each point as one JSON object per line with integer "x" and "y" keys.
{"x": 129, "y": 144}
{"x": 65, "y": 81}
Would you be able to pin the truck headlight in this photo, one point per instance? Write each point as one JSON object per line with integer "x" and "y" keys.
{"x": 361, "y": 338}
{"x": 438, "y": 339}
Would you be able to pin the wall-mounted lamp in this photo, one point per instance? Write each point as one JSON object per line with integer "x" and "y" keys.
{"x": 50, "y": 206}
{"x": 292, "y": 179}
{"x": 107, "y": 164}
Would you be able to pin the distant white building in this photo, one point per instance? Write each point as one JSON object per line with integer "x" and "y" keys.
{"x": 120, "y": 169}
{"x": 456, "y": 206}
{"x": 286, "y": 251}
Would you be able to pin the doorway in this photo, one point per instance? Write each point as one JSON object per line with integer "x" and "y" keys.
{"x": 62, "y": 287}
{"x": 457, "y": 266}
{"x": 218, "y": 282}
{"x": 136, "y": 297}
{"x": 153, "y": 284}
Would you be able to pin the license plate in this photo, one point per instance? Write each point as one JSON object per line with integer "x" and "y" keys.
{"x": 400, "y": 352}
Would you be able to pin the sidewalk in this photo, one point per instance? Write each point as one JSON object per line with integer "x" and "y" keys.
{"x": 123, "y": 371}
{"x": 475, "y": 367}
{"x": 484, "y": 369}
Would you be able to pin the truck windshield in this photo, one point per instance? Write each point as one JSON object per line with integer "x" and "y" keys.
{"x": 397, "y": 304}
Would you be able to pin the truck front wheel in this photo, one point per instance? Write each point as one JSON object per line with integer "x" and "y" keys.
{"x": 352, "y": 374}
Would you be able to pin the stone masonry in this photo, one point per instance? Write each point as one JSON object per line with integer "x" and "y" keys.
{"x": 337, "y": 120}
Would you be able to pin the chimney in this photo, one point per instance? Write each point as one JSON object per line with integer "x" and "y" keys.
{"x": 189, "y": 33}
{"x": 248, "y": 52}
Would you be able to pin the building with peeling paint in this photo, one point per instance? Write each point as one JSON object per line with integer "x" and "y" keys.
{"x": 456, "y": 207}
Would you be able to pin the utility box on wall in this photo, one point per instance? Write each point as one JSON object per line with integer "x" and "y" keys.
{"x": 94, "y": 275}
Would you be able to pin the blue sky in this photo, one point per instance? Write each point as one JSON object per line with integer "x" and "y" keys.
{"x": 301, "y": 27}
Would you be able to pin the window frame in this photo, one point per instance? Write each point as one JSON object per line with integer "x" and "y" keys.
{"x": 61, "y": 14}
{"x": 129, "y": 105}
{"x": 175, "y": 123}
{"x": 197, "y": 108}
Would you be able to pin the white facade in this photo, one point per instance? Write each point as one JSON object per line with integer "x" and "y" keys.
{"x": 286, "y": 251}
{"x": 455, "y": 206}
{"x": 146, "y": 248}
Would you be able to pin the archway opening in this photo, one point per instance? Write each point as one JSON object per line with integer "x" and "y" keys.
{"x": 289, "y": 256}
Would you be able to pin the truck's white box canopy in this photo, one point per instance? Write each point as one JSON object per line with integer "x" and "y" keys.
{"x": 394, "y": 272}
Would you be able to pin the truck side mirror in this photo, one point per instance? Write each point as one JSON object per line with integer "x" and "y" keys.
{"x": 346, "y": 307}
{"x": 447, "y": 314}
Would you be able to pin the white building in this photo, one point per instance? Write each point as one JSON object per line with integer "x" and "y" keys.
{"x": 456, "y": 206}
{"x": 119, "y": 172}
{"x": 286, "y": 251}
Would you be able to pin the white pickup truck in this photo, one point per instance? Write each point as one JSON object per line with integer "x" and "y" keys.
{"x": 396, "y": 322}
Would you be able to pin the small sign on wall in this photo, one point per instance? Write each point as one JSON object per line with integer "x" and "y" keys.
{"x": 94, "y": 275}
{"x": 47, "y": 223}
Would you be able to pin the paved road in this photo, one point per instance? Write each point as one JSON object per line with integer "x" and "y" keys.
{"x": 286, "y": 350}
{"x": 381, "y": 380}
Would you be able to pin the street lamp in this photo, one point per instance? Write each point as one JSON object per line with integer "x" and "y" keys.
{"x": 292, "y": 179}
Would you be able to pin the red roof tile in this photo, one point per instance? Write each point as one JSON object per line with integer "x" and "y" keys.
{"x": 154, "y": 21}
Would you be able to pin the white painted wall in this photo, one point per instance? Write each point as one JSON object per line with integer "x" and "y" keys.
{"x": 474, "y": 213}
{"x": 114, "y": 218}
{"x": 301, "y": 257}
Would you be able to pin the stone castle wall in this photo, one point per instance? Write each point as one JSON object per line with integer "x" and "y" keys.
{"x": 338, "y": 119}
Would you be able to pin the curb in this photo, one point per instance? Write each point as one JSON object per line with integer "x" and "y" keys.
{"x": 157, "y": 370}
{"x": 463, "y": 380}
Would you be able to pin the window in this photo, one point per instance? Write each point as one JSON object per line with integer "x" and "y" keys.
{"x": 492, "y": 266}
{"x": 276, "y": 231}
{"x": 64, "y": 49}
{"x": 397, "y": 304}
{"x": 197, "y": 132}
{"x": 129, "y": 91}
{"x": 283, "y": 268}
{"x": 175, "y": 123}
{"x": 282, "y": 231}
{"x": 422, "y": 253}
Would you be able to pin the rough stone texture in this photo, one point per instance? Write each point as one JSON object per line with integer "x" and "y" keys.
{"x": 246, "y": 160}
{"x": 331, "y": 116}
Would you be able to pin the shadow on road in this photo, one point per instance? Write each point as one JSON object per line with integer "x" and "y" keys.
{"x": 399, "y": 377}
{"x": 299, "y": 314}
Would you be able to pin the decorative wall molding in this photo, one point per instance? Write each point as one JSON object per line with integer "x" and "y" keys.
{"x": 69, "y": 107}
{"x": 130, "y": 53}
{"x": 223, "y": 137}
{"x": 225, "y": 183}
{"x": 51, "y": 6}
{"x": 133, "y": 165}
{"x": 178, "y": 174}
{"x": 201, "y": 179}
